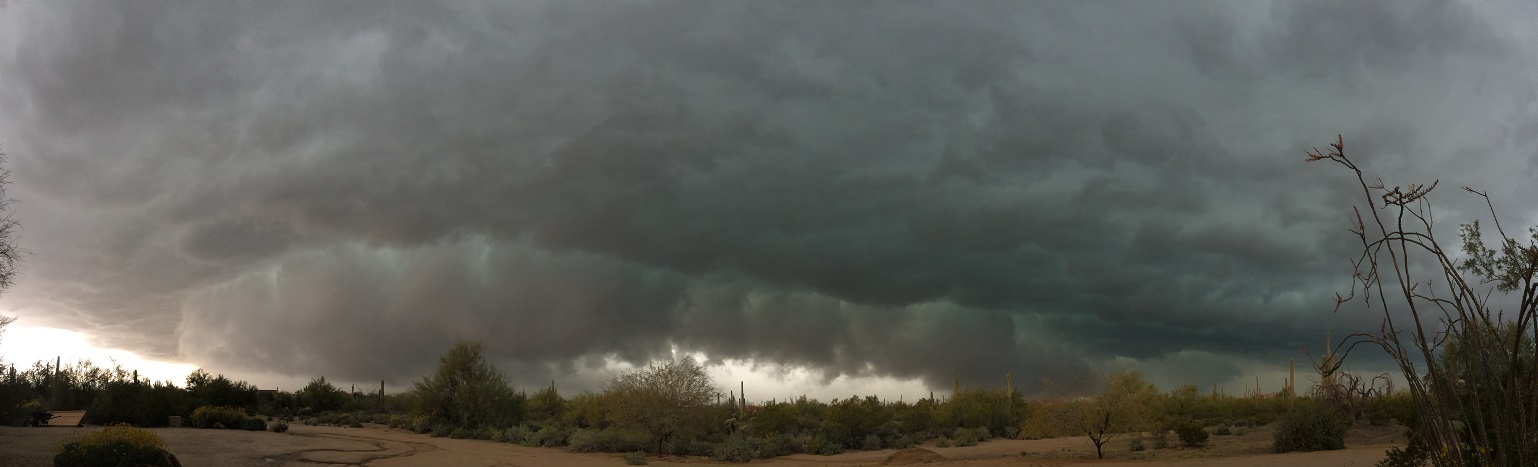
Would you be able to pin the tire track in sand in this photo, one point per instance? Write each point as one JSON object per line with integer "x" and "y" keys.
{"x": 381, "y": 449}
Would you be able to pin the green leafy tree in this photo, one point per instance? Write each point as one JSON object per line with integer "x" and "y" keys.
{"x": 320, "y": 396}
{"x": 467, "y": 392}
{"x": 547, "y": 406}
{"x": 219, "y": 391}
{"x": 664, "y": 399}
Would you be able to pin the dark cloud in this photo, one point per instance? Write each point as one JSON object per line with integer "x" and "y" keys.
{"x": 860, "y": 189}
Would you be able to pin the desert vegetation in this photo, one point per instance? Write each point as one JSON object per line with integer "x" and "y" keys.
{"x": 673, "y": 408}
{"x": 1461, "y": 327}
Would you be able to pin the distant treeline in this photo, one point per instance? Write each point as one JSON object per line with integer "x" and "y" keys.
{"x": 670, "y": 407}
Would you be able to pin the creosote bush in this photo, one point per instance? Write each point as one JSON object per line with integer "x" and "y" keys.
{"x": 1312, "y": 426}
{"x": 1191, "y": 433}
{"x": 253, "y": 424}
{"x": 209, "y": 416}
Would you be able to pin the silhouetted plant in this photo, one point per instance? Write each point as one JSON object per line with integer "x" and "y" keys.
{"x": 1469, "y": 365}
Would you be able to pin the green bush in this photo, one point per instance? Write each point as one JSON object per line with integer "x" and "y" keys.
{"x": 253, "y": 424}
{"x": 735, "y": 449}
{"x": 871, "y": 443}
{"x": 1398, "y": 407}
{"x": 114, "y": 446}
{"x": 822, "y": 446}
{"x": 210, "y": 416}
{"x": 966, "y": 437}
{"x": 778, "y": 445}
{"x": 586, "y": 440}
{"x": 1311, "y": 426}
{"x": 514, "y": 435}
{"x": 1161, "y": 443}
{"x": 635, "y": 458}
{"x": 1414, "y": 454}
{"x": 440, "y": 431}
{"x": 943, "y": 442}
{"x": 469, "y": 433}
{"x": 1222, "y": 430}
{"x": 550, "y": 437}
{"x": 1137, "y": 445}
{"x": 1191, "y": 433}
{"x": 420, "y": 425}
{"x": 279, "y": 427}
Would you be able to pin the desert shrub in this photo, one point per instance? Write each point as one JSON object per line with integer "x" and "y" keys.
{"x": 328, "y": 418}
{"x": 114, "y": 446}
{"x": 1190, "y": 433}
{"x": 870, "y": 443}
{"x": 1137, "y": 444}
{"x": 635, "y": 458}
{"x": 1311, "y": 427}
{"x": 967, "y": 437}
{"x": 321, "y": 396}
{"x": 586, "y": 440}
{"x": 822, "y": 446}
{"x": 420, "y": 424}
{"x": 619, "y": 440}
{"x": 1414, "y": 454}
{"x": 278, "y": 427}
{"x": 1398, "y": 407}
{"x": 943, "y": 442}
{"x": 210, "y": 416}
{"x": 735, "y": 449}
{"x": 899, "y": 442}
{"x": 778, "y": 445}
{"x": 1012, "y": 432}
{"x": 1161, "y": 443}
{"x": 550, "y": 436}
{"x": 515, "y": 435}
{"x": 253, "y": 424}
{"x": 1222, "y": 430}
{"x": 138, "y": 404}
{"x": 471, "y": 433}
{"x": 440, "y": 431}
{"x": 467, "y": 391}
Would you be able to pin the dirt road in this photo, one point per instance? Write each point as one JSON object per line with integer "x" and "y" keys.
{"x": 379, "y": 447}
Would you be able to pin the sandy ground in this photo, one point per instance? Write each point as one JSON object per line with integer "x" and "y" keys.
{"x": 377, "y": 446}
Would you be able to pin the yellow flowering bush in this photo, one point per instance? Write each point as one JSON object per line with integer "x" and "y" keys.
{"x": 113, "y": 446}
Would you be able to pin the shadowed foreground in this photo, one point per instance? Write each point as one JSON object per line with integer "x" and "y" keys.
{"x": 378, "y": 447}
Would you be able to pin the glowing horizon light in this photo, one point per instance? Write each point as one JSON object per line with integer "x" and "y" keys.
{"x": 23, "y": 345}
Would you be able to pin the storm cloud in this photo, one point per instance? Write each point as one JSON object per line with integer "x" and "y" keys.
{"x": 904, "y": 189}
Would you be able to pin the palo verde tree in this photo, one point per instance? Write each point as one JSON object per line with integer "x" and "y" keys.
{"x": 1484, "y": 409}
{"x": 1122, "y": 404}
{"x": 320, "y": 396}
{"x": 663, "y": 399}
{"x": 466, "y": 391}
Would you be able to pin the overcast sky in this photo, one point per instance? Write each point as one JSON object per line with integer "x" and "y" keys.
{"x": 886, "y": 190}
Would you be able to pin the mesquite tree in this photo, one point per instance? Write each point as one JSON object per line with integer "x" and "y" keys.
{"x": 1468, "y": 362}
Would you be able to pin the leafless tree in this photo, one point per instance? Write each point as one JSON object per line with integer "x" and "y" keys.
{"x": 1484, "y": 410}
{"x": 10, "y": 230}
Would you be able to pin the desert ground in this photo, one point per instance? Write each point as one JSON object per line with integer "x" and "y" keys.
{"x": 378, "y": 446}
